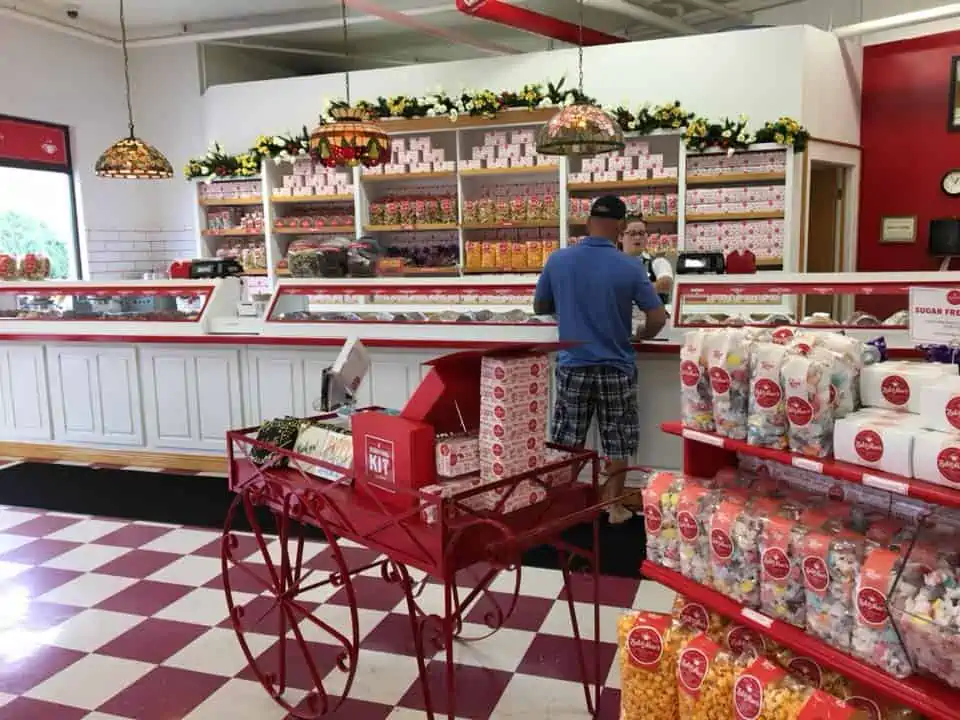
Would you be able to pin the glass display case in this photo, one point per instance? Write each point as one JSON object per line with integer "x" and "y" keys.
{"x": 852, "y": 302}
{"x": 434, "y": 309}
{"x": 178, "y": 306}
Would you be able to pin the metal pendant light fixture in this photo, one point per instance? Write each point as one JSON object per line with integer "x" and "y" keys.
{"x": 131, "y": 158}
{"x": 353, "y": 138}
{"x": 580, "y": 130}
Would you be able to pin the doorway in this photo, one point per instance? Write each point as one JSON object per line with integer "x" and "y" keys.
{"x": 825, "y": 241}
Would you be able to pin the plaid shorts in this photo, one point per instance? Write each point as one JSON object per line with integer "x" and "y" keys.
{"x": 606, "y": 391}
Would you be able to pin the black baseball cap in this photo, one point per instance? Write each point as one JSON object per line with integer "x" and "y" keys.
{"x": 609, "y": 206}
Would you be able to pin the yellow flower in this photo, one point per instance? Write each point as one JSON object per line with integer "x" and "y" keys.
{"x": 779, "y": 139}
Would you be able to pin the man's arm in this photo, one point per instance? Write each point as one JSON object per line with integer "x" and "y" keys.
{"x": 646, "y": 299}
{"x": 543, "y": 303}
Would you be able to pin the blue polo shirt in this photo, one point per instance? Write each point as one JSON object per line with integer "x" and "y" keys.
{"x": 594, "y": 287}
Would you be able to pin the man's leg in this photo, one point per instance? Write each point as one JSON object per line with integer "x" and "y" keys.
{"x": 573, "y": 407}
{"x": 619, "y": 423}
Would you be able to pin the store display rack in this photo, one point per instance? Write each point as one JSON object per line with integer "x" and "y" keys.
{"x": 933, "y": 699}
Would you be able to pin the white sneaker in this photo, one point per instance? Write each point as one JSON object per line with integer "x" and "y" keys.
{"x": 618, "y": 514}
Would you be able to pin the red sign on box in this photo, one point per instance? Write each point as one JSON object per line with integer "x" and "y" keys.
{"x": 381, "y": 461}
{"x": 33, "y": 142}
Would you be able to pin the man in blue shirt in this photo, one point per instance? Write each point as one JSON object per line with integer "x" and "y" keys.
{"x": 592, "y": 288}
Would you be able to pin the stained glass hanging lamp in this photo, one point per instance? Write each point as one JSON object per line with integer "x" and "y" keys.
{"x": 131, "y": 158}
{"x": 580, "y": 130}
{"x": 353, "y": 138}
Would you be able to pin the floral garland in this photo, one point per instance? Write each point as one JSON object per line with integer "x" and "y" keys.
{"x": 699, "y": 133}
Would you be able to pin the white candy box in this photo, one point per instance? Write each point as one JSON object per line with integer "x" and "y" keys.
{"x": 898, "y": 385}
{"x": 876, "y": 441}
{"x": 940, "y": 405}
{"x": 936, "y": 458}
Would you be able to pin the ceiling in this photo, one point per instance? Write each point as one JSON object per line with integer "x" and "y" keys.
{"x": 307, "y": 37}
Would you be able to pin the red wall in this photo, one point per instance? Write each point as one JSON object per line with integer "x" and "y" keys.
{"x": 906, "y": 148}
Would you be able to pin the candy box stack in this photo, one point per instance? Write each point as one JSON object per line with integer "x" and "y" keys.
{"x": 458, "y": 455}
{"x": 882, "y": 441}
{"x": 899, "y": 385}
{"x": 430, "y": 511}
{"x": 648, "y": 647}
{"x": 514, "y": 392}
{"x": 705, "y": 675}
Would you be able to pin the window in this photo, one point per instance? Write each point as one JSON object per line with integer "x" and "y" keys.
{"x": 38, "y": 210}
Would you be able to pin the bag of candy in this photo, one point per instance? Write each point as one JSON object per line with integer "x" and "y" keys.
{"x": 695, "y": 506}
{"x": 705, "y": 675}
{"x": 875, "y": 639}
{"x": 729, "y": 369}
{"x": 832, "y": 557}
{"x": 660, "y": 498}
{"x": 734, "y": 547}
{"x": 764, "y": 691}
{"x": 744, "y": 642}
{"x": 782, "y": 593}
{"x": 810, "y": 672}
{"x": 696, "y": 618}
{"x": 767, "y": 414}
{"x": 847, "y": 378}
{"x": 873, "y": 707}
{"x": 806, "y": 384}
{"x": 696, "y": 399}
{"x": 648, "y": 645}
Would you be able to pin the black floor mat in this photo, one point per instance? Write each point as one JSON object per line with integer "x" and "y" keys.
{"x": 203, "y": 502}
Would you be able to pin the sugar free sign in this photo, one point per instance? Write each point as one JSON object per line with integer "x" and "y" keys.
{"x": 934, "y": 315}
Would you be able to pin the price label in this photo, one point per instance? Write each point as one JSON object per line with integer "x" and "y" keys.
{"x": 807, "y": 464}
{"x": 897, "y": 487}
{"x": 757, "y": 617}
{"x": 698, "y": 436}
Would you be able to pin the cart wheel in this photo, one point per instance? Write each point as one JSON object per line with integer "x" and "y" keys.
{"x": 275, "y": 571}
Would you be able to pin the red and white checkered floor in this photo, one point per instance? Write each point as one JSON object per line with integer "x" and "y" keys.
{"x": 104, "y": 619}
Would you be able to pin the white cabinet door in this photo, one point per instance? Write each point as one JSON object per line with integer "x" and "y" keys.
{"x": 191, "y": 396}
{"x": 275, "y": 384}
{"x": 24, "y": 401}
{"x": 95, "y": 394}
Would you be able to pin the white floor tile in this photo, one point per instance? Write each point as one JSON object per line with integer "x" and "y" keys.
{"x": 87, "y": 590}
{"x": 103, "y": 716}
{"x": 12, "y": 542}
{"x": 90, "y": 681}
{"x": 535, "y": 582}
{"x": 182, "y": 541}
{"x": 381, "y": 678}
{"x": 11, "y": 570}
{"x": 654, "y": 597}
{"x": 12, "y": 518}
{"x": 217, "y": 652}
{"x": 191, "y": 570}
{"x": 87, "y": 530}
{"x": 4, "y": 697}
{"x": 504, "y": 650}
{"x": 92, "y": 629}
{"x": 203, "y": 606}
{"x": 338, "y": 617}
{"x": 528, "y": 696}
{"x": 557, "y": 621}
{"x": 243, "y": 700}
{"x": 86, "y": 558}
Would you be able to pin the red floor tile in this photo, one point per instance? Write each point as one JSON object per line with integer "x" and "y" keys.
{"x": 351, "y": 710}
{"x": 26, "y": 709}
{"x": 133, "y": 536}
{"x": 614, "y": 591}
{"x": 37, "y": 552}
{"x": 42, "y": 525}
{"x": 557, "y": 657}
{"x": 478, "y": 690}
{"x": 44, "y": 615}
{"x": 138, "y": 563}
{"x": 528, "y": 613}
{"x": 298, "y": 674}
{"x": 370, "y": 593}
{"x": 19, "y": 676}
{"x": 394, "y": 635}
{"x": 246, "y": 546}
{"x": 145, "y": 598}
{"x": 39, "y": 580}
{"x": 162, "y": 694}
{"x": 153, "y": 640}
{"x": 256, "y": 581}
{"x": 353, "y": 558}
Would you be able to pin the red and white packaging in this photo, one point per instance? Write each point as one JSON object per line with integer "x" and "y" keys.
{"x": 458, "y": 456}
{"x": 430, "y": 512}
{"x": 936, "y": 457}
{"x": 877, "y": 441}
{"x": 605, "y": 176}
{"x": 594, "y": 165}
{"x": 898, "y": 385}
{"x": 636, "y": 174}
{"x": 940, "y": 405}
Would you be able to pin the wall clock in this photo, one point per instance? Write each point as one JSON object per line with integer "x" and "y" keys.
{"x": 951, "y": 183}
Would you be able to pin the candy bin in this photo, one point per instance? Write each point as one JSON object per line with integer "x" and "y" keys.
{"x": 832, "y": 557}
{"x": 660, "y": 499}
{"x": 695, "y": 506}
{"x": 781, "y": 559}
{"x": 34, "y": 266}
{"x": 875, "y": 637}
{"x": 648, "y": 644}
{"x": 764, "y": 691}
{"x": 696, "y": 398}
{"x": 705, "y": 675}
{"x": 9, "y": 269}
{"x": 728, "y": 369}
{"x": 694, "y": 617}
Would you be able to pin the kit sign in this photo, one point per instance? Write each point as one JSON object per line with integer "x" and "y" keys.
{"x": 380, "y": 461}
{"x": 934, "y": 315}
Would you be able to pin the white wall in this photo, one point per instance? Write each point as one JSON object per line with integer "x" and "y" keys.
{"x": 757, "y": 72}
{"x": 832, "y": 77}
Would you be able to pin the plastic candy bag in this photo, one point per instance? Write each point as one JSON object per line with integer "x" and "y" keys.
{"x": 806, "y": 383}
{"x": 696, "y": 398}
{"x": 781, "y": 579}
{"x": 767, "y": 413}
{"x": 660, "y": 499}
{"x": 875, "y": 639}
{"x": 734, "y": 547}
{"x": 729, "y": 369}
{"x": 832, "y": 558}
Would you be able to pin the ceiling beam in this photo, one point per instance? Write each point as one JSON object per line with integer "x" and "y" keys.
{"x": 721, "y": 9}
{"x": 311, "y": 53}
{"x": 645, "y": 15}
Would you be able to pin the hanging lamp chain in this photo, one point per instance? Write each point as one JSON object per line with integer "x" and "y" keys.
{"x": 126, "y": 67}
{"x": 346, "y": 48}
{"x": 580, "y": 47}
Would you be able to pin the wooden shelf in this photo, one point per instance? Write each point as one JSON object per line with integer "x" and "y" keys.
{"x": 736, "y": 178}
{"x": 310, "y": 199}
{"x": 623, "y": 184}
{"x": 746, "y": 215}
{"x": 646, "y": 219}
{"x": 232, "y": 233}
{"x": 401, "y": 177}
{"x": 231, "y": 202}
{"x": 520, "y": 224}
{"x": 329, "y": 230}
{"x": 262, "y": 272}
{"x": 769, "y": 262}
{"x": 520, "y": 116}
{"x": 928, "y": 696}
{"x": 426, "y": 227}
{"x": 535, "y": 170}
{"x": 499, "y": 271}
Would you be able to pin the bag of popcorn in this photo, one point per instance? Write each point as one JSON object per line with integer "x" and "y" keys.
{"x": 873, "y": 707}
{"x": 696, "y": 399}
{"x": 648, "y": 645}
{"x": 767, "y": 413}
{"x": 811, "y": 673}
{"x": 694, "y": 617}
{"x": 764, "y": 691}
{"x": 806, "y": 384}
{"x": 728, "y": 367}
{"x": 705, "y": 675}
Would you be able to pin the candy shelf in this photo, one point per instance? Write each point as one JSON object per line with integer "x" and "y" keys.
{"x": 380, "y": 177}
{"x": 327, "y": 230}
{"x": 735, "y": 178}
{"x": 701, "y": 458}
{"x": 234, "y": 232}
{"x": 624, "y": 185}
{"x": 933, "y": 699}
{"x": 535, "y": 170}
{"x": 749, "y": 215}
{"x": 511, "y": 225}
{"x": 310, "y": 199}
{"x": 228, "y": 202}
{"x": 648, "y": 219}
{"x": 425, "y": 227}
